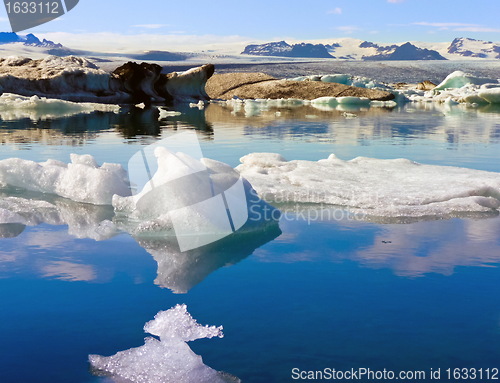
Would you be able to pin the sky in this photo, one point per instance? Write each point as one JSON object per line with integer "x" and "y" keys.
{"x": 204, "y": 25}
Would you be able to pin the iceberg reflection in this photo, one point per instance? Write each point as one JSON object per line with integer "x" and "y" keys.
{"x": 181, "y": 271}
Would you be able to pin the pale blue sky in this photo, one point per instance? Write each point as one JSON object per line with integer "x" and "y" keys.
{"x": 268, "y": 20}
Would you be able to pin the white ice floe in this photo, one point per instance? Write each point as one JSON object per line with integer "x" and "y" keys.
{"x": 82, "y": 180}
{"x": 378, "y": 188}
{"x": 255, "y": 107}
{"x": 14, "y": 107}
{"x": 345, "y": 79}
{"x": 167, "y": 360}
{"x": 167, "y": 113}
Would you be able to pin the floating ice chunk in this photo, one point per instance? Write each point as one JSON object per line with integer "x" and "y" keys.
{"x": 383, "y": 188}
{"x": 167, "y": 113}
{"x": 168, "y": 360}
{"x": 491, "y": 95}
{"x": 20, "y": 106}
{"x": 354, "y": 100}
{"x": 384, "y": 104}
{"x": 82, "y": 180}
{"x": 337, "y": 78}
{"x": 458, "y": 79}
{"x": 332, "y": 101}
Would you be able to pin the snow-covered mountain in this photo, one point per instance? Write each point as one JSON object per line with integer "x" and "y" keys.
{"x": 12, "y": 43}
{"x": 354, "y": 49}
{"x": 28, "y": 40}
{"x": 406, "y": 51}
{"x": 283, "y": 49}
{"x": 466, "y": 47}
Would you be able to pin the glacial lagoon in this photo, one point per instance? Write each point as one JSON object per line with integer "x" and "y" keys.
{"x": 309, "y": 293}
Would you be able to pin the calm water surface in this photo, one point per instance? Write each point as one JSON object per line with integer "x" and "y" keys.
{"x": 328, "y": 294}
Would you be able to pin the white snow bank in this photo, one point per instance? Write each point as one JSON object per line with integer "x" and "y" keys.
{"x": 168, "y": 360}
{"x": 380, "y": 188}
{"x": 14, "y": 106}
{"x": 82, "y": 180}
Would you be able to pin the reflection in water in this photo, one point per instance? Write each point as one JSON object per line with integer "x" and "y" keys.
{"x": 357, "y": 126}
{"x": 409, "y": 250}
{"x": 181, "y": 271}
{"x": 434, "y": 247}
{"x": 167, "y": 360}
{"x": 83, "y": 220}
{"x": 178, "y": 271}
{"x": 79, "y": 129}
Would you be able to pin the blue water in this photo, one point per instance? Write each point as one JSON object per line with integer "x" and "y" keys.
{"x": 326, "y": 294}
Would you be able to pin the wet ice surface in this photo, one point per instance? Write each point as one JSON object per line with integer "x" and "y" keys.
{"x": 352, "y": 293}
{"x": 168, "y": 359}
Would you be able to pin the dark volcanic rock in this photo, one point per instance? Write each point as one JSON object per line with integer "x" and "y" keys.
{"x": 259, "y": 85}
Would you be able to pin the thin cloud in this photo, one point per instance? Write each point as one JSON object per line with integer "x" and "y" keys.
{"x": 149, "y": 26}
{"x": 348, "y": 28}
{"x": 444, "y": 25}
{"x": 395, "y": 1}
{"x": 477, "y": 29}
{"x": 335, "y": 11}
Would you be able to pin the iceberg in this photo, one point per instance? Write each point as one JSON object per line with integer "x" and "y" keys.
{"x": 78, "y": 79}
{"x": 459, "y": 79}
{"x": 167, "y": 360}
{"x": 397, "y": 188}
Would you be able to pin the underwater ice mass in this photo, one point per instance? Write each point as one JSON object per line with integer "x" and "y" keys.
{"x": 167, "y": 360}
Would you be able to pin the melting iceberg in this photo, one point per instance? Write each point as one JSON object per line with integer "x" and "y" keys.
{"x": 167, "y": 360}
{"x": 377, "y": 188}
